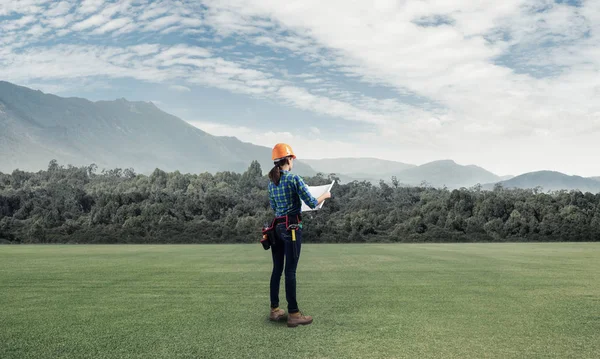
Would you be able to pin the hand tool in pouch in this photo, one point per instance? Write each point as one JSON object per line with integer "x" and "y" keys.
{"x": 293, "y": 225}
{"x": 293, "y": 228}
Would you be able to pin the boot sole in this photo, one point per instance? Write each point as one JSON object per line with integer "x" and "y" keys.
{"x": 294, "y": 325}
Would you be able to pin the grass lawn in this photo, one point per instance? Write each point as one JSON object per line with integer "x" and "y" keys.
{"x": 368, "y": 301}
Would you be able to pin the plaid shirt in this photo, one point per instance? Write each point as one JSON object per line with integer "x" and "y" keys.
{"x": 285, "y": 198}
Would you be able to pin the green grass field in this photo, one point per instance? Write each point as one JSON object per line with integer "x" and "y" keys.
{"x": 368, "y": 301}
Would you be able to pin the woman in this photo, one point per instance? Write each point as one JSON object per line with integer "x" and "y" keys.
{"x": 286, "y": 190}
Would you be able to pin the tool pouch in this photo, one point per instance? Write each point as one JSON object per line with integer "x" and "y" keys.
{"x": 268, "y": 236}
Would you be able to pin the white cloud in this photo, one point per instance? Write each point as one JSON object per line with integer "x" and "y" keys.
{"x": 58, "y": 9}
{"x": 130, "y": 27}
{"x": 313, "y": 81}
{"x": 59, "y": 21}
{"x": 182, "y": 51}
{"x": 227, "y": 22}
{"x": 112, "y": 25}
{"x": 303, "y": 99}
{"x": 292, "y": 43}
{"x": 154, "y": 10}
{"x": 37, "y": 30}
{"x": 90, "y": 6}
{"x": 19, "y": 23}
{"x": 92, "y": 21}
{"x": 104, "y": 16}
{"x": 167, "y": 21}
{"x": 179, "y": 88}
{"x": 145, "y": 49}
{"x": 21, "y": 7}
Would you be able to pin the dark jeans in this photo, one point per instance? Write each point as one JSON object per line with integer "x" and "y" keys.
{"x": 283, "y": 251}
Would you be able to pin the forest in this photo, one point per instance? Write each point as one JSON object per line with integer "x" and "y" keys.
{"x": 68, "y": 204}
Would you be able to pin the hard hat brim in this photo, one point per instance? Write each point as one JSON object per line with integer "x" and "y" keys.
{"x": 281, "y": 158}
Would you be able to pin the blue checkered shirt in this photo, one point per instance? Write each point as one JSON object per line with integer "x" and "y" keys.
{"x": 285, "y": 198}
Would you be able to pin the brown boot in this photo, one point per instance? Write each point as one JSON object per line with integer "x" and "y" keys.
{"x": 276, "y": 314}
{"x": 295, "y": 319}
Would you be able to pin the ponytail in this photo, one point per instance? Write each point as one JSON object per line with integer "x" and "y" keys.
{"x": 275, "y": 174}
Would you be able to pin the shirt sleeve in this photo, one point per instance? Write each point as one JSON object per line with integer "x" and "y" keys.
{"x": 272, "y": 201}
{"x": 304, "y": 193}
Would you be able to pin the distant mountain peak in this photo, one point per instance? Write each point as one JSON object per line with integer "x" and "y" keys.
{"x": 36, "y": 128}
{"x": 550, "y": 180}
{"x": 440, "y": 163}
{"x": 444, "y": 161}
{"x": 447, "y": 172}
{"x": 544, "y": 173}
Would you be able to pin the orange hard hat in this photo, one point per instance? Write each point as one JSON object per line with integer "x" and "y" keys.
{"x": 282, "y": 150}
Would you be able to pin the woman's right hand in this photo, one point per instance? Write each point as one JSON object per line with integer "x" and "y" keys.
{"x": 323, "y": 197}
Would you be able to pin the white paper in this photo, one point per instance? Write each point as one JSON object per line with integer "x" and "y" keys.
{"x": 316, "y": 192}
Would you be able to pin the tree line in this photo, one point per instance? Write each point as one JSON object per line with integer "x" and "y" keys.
{"x": 68, "y": 204}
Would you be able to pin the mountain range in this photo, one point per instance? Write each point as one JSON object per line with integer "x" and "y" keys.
{"x": 437, "y": 173}
{"x": 36, "y": 127}
{"x": 551, "y": 181}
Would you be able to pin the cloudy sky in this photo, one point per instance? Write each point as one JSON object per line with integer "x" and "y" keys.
{"x": 512, "y": 85}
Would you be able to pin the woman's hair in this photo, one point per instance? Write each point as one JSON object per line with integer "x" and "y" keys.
{"x": 275, "y": 174}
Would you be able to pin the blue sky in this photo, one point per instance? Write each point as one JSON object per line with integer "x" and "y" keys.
{"x": 512, "y": 86}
